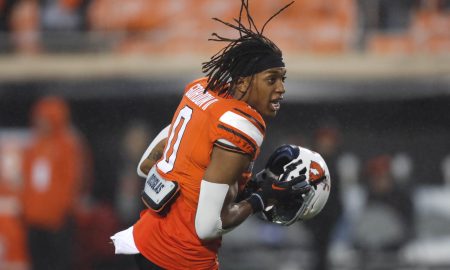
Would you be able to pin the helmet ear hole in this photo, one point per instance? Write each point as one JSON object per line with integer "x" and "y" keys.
{"x": 282, "y": 156}
{"x": 277, "y": 167}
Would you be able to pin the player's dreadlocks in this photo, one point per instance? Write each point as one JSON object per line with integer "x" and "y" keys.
{"x": 244, "y": 56}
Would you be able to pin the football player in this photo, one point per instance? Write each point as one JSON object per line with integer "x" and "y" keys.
{"x": 194, "y": 167}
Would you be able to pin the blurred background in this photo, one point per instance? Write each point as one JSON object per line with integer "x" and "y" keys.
{"x": 86, "y": 84}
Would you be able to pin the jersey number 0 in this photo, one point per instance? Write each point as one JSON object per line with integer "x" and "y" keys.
{"x": 178, "y": 128}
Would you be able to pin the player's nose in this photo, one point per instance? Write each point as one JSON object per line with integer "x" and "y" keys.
{"x": 280, "y": 89}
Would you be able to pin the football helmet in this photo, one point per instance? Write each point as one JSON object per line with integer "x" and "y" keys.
{"x": 307, "y": 204}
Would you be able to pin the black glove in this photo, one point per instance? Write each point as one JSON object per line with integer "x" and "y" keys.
{"x": 273, "y": 169}
{"x": 277, "y": 191}
{"x": 255, "y": 184}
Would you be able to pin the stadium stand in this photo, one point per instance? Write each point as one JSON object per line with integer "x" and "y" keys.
{"x": 153, "y": 27}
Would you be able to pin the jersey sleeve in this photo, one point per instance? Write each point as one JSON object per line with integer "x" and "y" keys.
{"x": 239, "y": 130}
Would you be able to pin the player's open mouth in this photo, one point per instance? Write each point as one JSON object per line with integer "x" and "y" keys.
{"x": 275, "y": 104}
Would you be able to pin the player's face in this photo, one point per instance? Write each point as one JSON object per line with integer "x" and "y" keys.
{"x": 266, "y": 91}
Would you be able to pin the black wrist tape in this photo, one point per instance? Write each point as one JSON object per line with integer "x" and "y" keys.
{"x": 256, "y": 202}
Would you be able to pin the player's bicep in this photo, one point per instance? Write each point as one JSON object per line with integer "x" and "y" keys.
{"x": 226, "y": 167}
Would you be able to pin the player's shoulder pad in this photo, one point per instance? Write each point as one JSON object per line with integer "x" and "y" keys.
{"x": 239, "y": 127}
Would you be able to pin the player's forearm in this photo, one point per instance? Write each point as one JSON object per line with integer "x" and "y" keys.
{"x": 216, "y": 211}
{"x": 235, "y": 214}
{"x": 216, "y": 215}
{"x": 147, "y": 160}
{"x": 153, "y": 157}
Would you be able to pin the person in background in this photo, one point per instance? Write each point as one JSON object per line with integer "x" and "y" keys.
{"x": 24, "y": 25}
{"x": 63, "y": 15}
{"x": 5, "y": 12}
{"x": 327, "y": 142}
{"x": 127, "y": 201}
{"x": 13, "y": 252}
{"x": 386, "y": 222}
{"x": 52, "y": 170}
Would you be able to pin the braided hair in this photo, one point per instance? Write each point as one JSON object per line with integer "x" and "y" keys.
{"x": 244, "y": 56}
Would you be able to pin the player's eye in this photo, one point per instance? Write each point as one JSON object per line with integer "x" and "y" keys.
{"x": 283, "y": 78}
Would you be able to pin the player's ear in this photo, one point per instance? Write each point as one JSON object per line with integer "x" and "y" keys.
{"x": 241, "y": 87}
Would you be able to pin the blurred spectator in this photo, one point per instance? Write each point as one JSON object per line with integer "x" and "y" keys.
{"x": 353, "y": 197}
{"x": 327, "y": 142}
{"x": 431, "y": 26}
{"x": 426, "y": 31}
{"x": 387, "y": 15}
{"x": 24, "y": 24}
{"x": 310, "y": 26}
{"x": 13, "y": 252}
{"x": 128, "y": 203}
{"x": 320, "y": 26}
{"x": 63, "y": 15}
{"x": 131, "y": 15}
{"x": 52, "y": 170}
{"x": 386, "y": 222}
{"x": 445, "y": 167}
{"x": 434, "y": 4}
{"x": 5, "y": 12}
{"x": 103, "y": 216}
{"x": 32, "y": 23}
{"x": 401, "y": 169}
{"x": 130, "y": 19}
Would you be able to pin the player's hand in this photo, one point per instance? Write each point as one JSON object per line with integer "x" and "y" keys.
{"x": 274, "y": 167}
{"x": 264, "y": 189}
{"x": 272, "y": 192}
{"x": 258, "y": 180}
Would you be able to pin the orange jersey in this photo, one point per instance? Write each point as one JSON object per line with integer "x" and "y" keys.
{"x": 203, "y": 120}
{"x": 52, "y": 166}
{"x": 51, "y": 174}
{"x": 12, "y": 231}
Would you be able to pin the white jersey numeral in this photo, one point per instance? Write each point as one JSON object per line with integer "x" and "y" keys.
{"x": 171, "y": 150}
